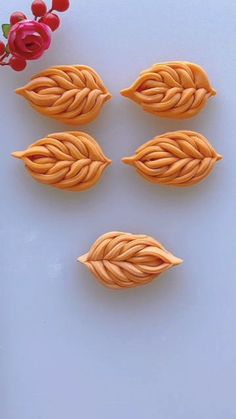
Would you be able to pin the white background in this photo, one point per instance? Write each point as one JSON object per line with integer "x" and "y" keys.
{"x": 70, "y": 348}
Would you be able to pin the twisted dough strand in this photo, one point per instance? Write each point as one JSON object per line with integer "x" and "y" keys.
{"x": 123, "y": 260}
{"x": 171, "y": 90}
{"x": 71, "y": 94}
{"x": 66, "y": 160}
{"x": 179, "y": 158}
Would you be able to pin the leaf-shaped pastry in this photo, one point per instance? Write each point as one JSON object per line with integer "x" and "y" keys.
{"x": 66, "y": 160}
{"x": 71, "y": 94}
{"x": 123, "y": 260}
{"x": 174, "y": 89}
{"x": 179, "y": 158}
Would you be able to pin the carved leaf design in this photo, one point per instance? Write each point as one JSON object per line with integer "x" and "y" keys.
{"x": 71, "y": 94}
{"x": 179, "y": 158}
{"x": 123, "y": 260}
{"x": 171, "y": 90}
{"x": 67, "y": 160}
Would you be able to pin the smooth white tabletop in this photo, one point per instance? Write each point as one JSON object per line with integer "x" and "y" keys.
{"x": 70, "y": 348}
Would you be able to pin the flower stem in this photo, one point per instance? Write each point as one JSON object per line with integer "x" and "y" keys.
{"x": 4, "y": 56}
{"x": 2, "y": 62}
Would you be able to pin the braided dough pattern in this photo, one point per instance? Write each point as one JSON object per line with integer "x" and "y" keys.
{"x": 171, "y": 90}
{"x": 123, "y": 260}
{"x": 71, "y": 94}
{"x": 67, "y": 160}
{"x": 180, "y": 158}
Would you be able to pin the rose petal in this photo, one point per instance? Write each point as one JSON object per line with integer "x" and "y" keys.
{"x": 33, "y": 42}
{"x": 28, "y": 44}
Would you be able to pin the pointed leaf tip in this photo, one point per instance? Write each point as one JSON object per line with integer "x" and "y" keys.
{"x": 108, "y": 96}
{"x": 82, "y": 259}
{"x": 128, "y": 160}
{"x": 176, "y": 261}
{"x": 125, "y": 92}
{"x": 20, "y": 91}
{"x": 213, "y": 92}
{"x": 17, "y": 154}
{"x": 108, "y": 162}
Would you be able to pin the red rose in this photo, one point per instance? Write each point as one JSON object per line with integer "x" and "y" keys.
{"x": 29, "y": 39}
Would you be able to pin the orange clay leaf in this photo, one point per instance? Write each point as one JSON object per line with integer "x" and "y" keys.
{"x": 179, "y": 158}
{"x": 71, "y": 94}
{"x": 175, "y": 90}
{"x": 66, "y": 160}
{"x": 123, "y": 260}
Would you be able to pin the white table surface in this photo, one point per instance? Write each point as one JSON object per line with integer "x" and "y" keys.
{"x": 70, "y": 348}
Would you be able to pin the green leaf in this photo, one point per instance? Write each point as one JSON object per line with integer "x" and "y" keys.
{"x": 6, "y": 29}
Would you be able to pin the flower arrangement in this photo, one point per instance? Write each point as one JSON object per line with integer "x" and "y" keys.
{"x": 28, "y": 39}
